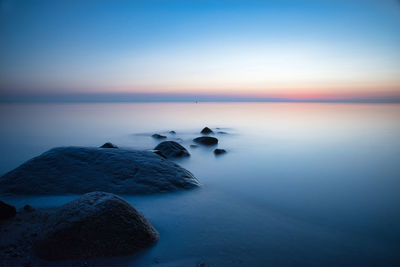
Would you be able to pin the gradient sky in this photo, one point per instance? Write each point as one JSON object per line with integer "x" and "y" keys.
{"x": 292, "y": 49}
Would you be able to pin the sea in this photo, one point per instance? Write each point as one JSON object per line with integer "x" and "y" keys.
{"x": 301, "y": 184}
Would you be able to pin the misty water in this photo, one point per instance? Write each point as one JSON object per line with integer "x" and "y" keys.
{"x": 301, "y": 184}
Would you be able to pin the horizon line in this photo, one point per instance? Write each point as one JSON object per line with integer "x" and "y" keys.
{"x": 198, "y": 100}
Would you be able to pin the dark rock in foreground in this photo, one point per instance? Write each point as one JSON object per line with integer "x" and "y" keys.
{"x": 206, "y": 140}
{"x": 96, "y": 224}
{"x": 159, "y": 136}
{"x": 76, "y": 170}
{"x": 6, "y": 211}
{"x": 206, "y": 130}
{"x": 108, "y": 145}
{"x": 219, "y": 151}
{"x": 172, "y": 149}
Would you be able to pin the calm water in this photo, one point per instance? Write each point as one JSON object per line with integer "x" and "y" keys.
{"x": 301, "y": 184}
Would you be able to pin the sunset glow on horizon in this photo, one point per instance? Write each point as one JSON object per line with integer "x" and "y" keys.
{"x": 301, "y": 50}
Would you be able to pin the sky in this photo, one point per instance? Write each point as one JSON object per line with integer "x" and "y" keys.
{"x": 99, "y": 50}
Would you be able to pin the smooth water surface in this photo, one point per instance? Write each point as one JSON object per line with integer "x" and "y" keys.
{"x": 301, "y": 184}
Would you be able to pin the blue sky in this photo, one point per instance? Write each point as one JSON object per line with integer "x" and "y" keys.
{"x": 257, "y": 49}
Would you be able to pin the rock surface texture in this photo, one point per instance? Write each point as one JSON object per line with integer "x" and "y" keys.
{"x": 96, "y": 224}
{"x": 172, "y": 149}
{"x": 76, "y": 170}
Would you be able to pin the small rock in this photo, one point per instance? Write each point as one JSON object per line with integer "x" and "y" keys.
{"x": 28, "y": 208}
{"x": 206, "y": 130}
{"x": 172, "y": 149}
{"x": 222, "y": 132}
{"x": 194, "y": 146}
{"x": 159, "y": 136}
{"x": 206, "y": 140}
{"x": 7, "y": 211}
{"x": 109, "y": 145}
{"x": 219, "y": 151}
{"x": 97, "y": 224}
{"x": 172, "y": 132}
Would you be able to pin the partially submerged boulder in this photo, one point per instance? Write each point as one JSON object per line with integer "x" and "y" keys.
{"x": 7, "y": 211}
{"x": 172, "y": 149}
{"x": 77, "y": 170}
{"x": 219, "y": 151}
{"x": 206, "y": 130}
{"x": 172, "y": 132}
{"x": 159, "y": 136}
{"x": 96, "y": 224}
{"x": 109, "y": 145}
{"x": 206, "y": 140}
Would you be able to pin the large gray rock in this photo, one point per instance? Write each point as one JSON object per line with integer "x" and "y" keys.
{"x": 96, "y": 224}
{"x": 76, "y": 170}
{"x": 172, "y": 149}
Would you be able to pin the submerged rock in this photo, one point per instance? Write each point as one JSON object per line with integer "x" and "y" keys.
{"x": 76, "y": 170}
{"x": 206, "y": 140}
{"x": 219, "y": 151}
{"x": 222, "y": 132}
{"x": 7, "y": 211}
{"x": 172, "y": 149}
{"x": 108, "y": 145}
{"x": 194, "y": 146}
{"x": 206, "y": 130}
{"x": 96, "y": 224}
{"x": 172, "y": 132}
{"x": 159, "y": 136}
{"x": 28, "y": 208}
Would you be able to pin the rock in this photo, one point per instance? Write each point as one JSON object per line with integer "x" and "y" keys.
{"x": 194, "y": 146}
{"x": 96, "y": 224}
{"x": 158, "y": 136}
{"x": 108, "y": 145}
{"x": 206, "y": 140}
{"x": 28, "y": 208}
{"x": 172, "y": 149}
{"x": 77, "y": 170}
{"x": 206, "y": 130}
{"x": 172, "y": 132}
{"x": 222, "y": 132}
{"x": 7, "y": 211}
{"x": 219, "y": 151}
{"x": 158, "y": 152}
